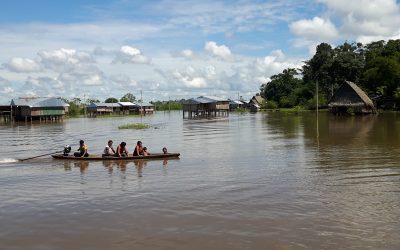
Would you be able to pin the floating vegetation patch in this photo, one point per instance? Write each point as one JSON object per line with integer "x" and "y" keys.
{"x": 134, "y": 126}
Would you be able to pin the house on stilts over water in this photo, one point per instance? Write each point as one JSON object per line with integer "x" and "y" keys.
{"x": 349, "y": 98}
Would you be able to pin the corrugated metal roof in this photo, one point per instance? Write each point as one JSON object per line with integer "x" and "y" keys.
{"x": 146, "y": 104}
{"x": 39, "y": 102}
{"x": 103, "y": 104}
{"x": 206, "y": 99}
{"x": 215, "y": 98}
{"x": 126, "y": 104}
{"x": 236, "y": 102}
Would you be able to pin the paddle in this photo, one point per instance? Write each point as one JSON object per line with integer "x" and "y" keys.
{"x": 40, "y": 156}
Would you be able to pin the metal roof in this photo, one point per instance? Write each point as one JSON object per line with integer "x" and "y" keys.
{"x": 39, "y": 102}
{"x": 146, "y": 104}
{"x": 236, "y": 102}
{"x": 206, "y": 99}
{"x": 126, "y": 104}
{"x": 103, "y": 104}
{"x": 215, "y": 98}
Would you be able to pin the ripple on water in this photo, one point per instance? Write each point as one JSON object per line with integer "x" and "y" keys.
{"x": 245, "y": 181}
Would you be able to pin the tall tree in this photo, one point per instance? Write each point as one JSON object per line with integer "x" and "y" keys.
{"x": 281, "y": 87}
{"x": 128, "y": 97}
{"x": 111, "y": 100}
{"x": 319, "y": 66}
{"x": 381, "y": 76}
{"x": 347, "y": 64}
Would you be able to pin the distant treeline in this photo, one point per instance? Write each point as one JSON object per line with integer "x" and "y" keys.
{"x": 374, "y": 67}
{"x": 167, "y": 105}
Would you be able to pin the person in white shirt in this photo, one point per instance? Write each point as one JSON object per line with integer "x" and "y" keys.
{"x": 109, "y": 150}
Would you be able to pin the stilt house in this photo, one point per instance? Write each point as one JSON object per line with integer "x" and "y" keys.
{"x": 38, "y": 108}
{"x": 205, "y": 106}
{"x": 349, "y": 98}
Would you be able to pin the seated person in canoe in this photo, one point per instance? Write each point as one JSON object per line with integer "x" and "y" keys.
{"x": 109, "y": 150}
{"x": 122, "y": 151}
{"x": 145, "y": 152}
{"x": 165, "y": 151}
{"x": 82, "y": 150}
{"x": 138, "y": 149}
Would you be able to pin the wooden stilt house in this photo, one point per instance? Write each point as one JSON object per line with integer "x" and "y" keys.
{"x": 42, "y": 109}
{"x": 205, "y": 106}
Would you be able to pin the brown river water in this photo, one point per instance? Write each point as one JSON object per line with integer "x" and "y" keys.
{"x": 247, "y": 181}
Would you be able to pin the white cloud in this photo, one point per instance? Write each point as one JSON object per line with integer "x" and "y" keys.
{"x": 366, "y": 18}
{"x": 122, "y": 80}
{"x": 315, "y": 29}
{"x": 361, "y": 20}
{"x": 187, "y": 53}
{"x": 128, "y": 54}
{"x": 212, "y": 17}
{"x": 35, "y": 87}
{"x": 221, "y": 52}
{"x": 22, "y": 65}
{"x": 83, "y": 75}
{"x": 63, "y": 59}
{"x": 244, "y": 77}
{"x": 7, "y": 90}
{"x": 190, "y": 78}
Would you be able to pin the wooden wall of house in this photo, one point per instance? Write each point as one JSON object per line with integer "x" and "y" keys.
{"x": 222, "y": 106}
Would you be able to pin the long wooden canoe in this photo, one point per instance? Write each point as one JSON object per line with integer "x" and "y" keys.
{"x": 160, "y": 156}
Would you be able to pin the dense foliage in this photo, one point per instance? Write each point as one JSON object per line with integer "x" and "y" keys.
{"x": 375, "y": 67}
{"x": 111, "y": 100}
{"x": 128, "y": 97}
{"x": 167, "y": 105}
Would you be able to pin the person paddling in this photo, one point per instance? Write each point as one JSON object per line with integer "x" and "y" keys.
{"x": 82, "y": 150}
{"x": 138, "y": 149}
{"x": 109, "y": 150}
{"x": 122, "y": 151}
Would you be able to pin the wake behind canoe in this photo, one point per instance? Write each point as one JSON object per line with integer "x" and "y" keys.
{"x": 100, "y": 158}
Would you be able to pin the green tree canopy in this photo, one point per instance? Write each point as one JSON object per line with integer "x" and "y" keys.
{"x": 128, "y": 97}
{"x": 280, "y": 88}
{"x": 375, "y": 67}
{"x": 111, "y": 100}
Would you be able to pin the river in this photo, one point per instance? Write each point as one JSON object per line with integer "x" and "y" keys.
{"x": 248, "y": 181}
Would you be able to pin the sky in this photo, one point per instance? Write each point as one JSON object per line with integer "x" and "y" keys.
{"x": 170, "y": 49}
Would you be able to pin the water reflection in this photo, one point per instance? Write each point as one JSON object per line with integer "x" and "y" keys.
{"x": 82, "y": 165}
{"x": 140, "y": 164}
{"x": 253, "y": 180}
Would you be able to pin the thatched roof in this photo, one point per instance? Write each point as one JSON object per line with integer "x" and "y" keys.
{"x": 349, "y": 94}
{"x": 257, "y": 99}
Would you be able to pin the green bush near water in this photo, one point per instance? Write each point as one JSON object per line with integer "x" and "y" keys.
{"x": 134, "y": 126}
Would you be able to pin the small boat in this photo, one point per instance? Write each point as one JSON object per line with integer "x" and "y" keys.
{"x": 160, "y": 156}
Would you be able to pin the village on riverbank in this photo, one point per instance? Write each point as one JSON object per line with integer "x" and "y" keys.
{"x": 348, "y": 96}
{"x": 350, "y": 79}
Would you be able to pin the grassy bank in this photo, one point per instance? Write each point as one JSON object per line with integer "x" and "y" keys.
{"x": 134, "y": 126}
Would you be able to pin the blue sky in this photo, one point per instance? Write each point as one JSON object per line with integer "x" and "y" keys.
{"x": 172, "y": 49}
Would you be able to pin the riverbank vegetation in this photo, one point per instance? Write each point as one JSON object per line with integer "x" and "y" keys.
{"x": 134, "y": 126}
{"x": 167, "y": 105}
{"x": 374, "y": 67}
